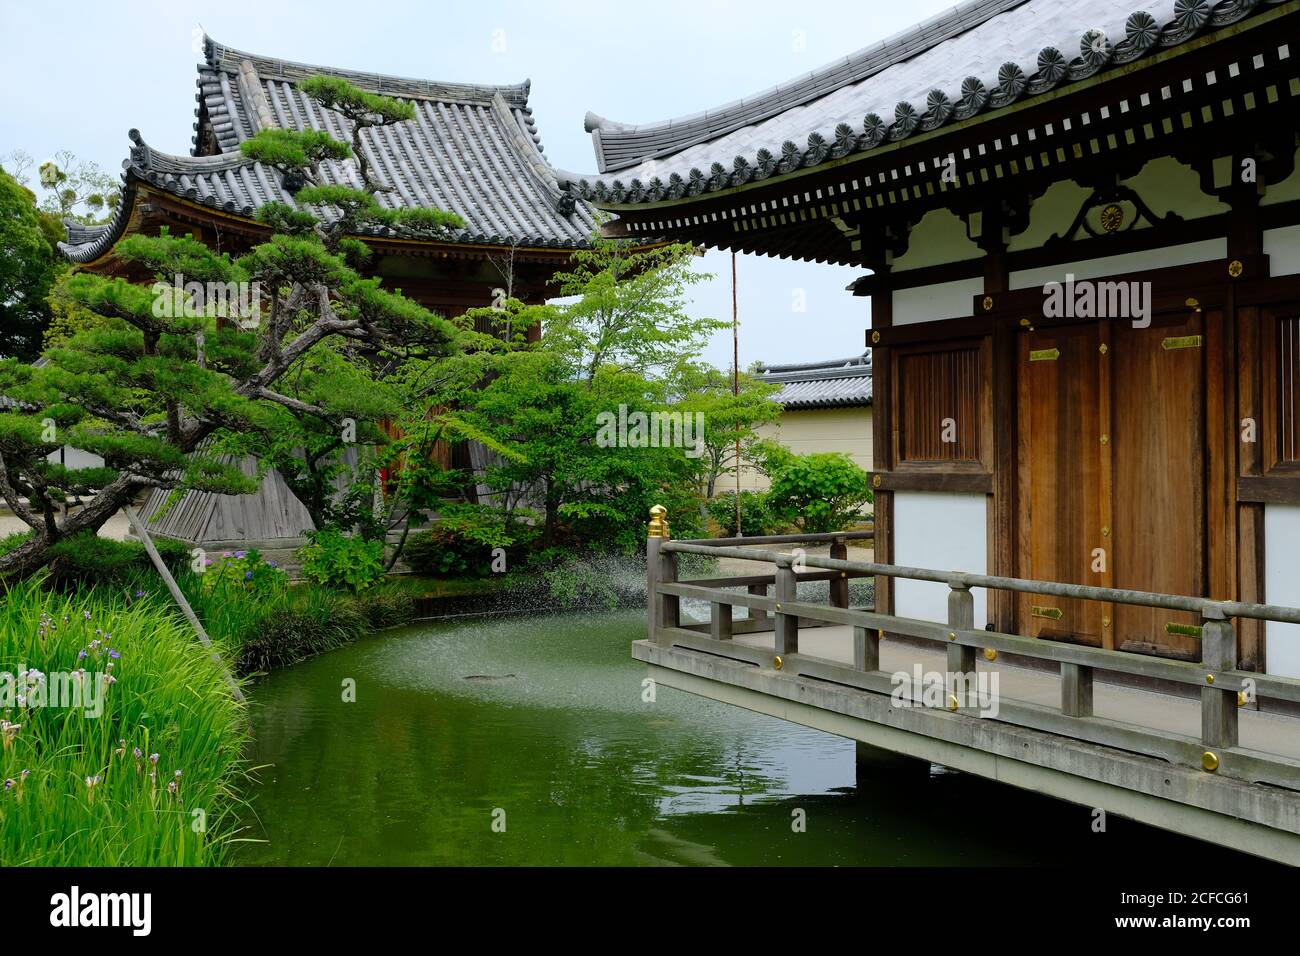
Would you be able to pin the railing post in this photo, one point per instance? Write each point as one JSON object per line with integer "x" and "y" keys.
{"x": 961, "y": 658}
{"x": 720, "y": 621}
{"x": 756, "y": 613}
{"x": 663, "y": 610}
{"x": 1218, "y": 705}
{"x": 866, "y": 650}
{"x": 840, "y": 585}
{"x": 1076, "y": 690}
{"x": 787, "y": 625}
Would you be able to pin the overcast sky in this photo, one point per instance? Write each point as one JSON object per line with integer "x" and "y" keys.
{"x": 78, "y": 75}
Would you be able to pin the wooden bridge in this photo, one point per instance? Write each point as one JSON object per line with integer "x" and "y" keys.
{"x": 1102, "y": 728}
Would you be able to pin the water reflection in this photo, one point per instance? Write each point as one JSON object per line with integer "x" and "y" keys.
{"x": 543, "y": 718}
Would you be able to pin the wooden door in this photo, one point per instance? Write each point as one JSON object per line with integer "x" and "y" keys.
{"x": 1112, "y": 469}
{"x": 1159, "y": 539}
{"x": 1062, "y": 497}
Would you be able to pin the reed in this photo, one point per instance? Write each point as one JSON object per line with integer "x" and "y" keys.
{"x": 152, "y": 778}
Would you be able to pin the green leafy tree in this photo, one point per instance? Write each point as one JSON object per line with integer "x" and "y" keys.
{"x": 27, "y": 270}
{"x": 158, "y": 384}
{"x": 730, "y": 418}
{"x": 74, "y": 188}
{"x": 628, "y": 310}
{"x": 821, "y": 492}
{"x": 603, "y": 352}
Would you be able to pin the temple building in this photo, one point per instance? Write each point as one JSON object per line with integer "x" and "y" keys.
{"x": 1081, "y": 226}
{"x": 472, "y": 150}
{"x": 825, "y": 407}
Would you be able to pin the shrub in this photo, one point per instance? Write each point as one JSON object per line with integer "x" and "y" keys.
{"x": 822, "y": 492}
{"x": 243, "y": 569}
{"x": 462, "y": 543}
{"x": 342, "y": 561}
{"x": 86, "y": 559}
{"x": 756, "y": 517}
{"x": 87, "y": 791}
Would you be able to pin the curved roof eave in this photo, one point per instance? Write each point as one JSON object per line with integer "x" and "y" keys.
{"x": 1144, "y": 36}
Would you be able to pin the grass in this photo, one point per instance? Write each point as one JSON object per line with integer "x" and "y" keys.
{"x": 82, "y": 790}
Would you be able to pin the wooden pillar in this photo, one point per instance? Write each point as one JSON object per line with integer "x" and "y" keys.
{"x": 866, "y": 650}
{"x": 1002, "y": 542}
{"x": 662, "y": 610}
{"x": 1076, "y": 690}
{"x": 1218, "y": 704}
{"x": 720, "y": 621}
{"x": 758, "y": 614}
{"x": 787, "y": 624}
{"x": 961, "y": 657}
{"x": 882, "y": 438}
{"x": 652, "y": 566}
{"x": 840, "y": 585}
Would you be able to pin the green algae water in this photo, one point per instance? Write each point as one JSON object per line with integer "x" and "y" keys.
{"x": 538, "y": 724}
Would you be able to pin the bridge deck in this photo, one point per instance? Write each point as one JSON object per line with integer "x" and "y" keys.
{"x": 1273, "y": 733}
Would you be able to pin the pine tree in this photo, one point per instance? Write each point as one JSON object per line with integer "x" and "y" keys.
{"x": 161, "y": 378}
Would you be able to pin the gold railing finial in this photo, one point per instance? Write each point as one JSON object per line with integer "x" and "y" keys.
{"x": 658, "y": 522}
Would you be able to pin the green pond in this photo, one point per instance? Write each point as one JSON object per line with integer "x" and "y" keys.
{"x": 538, "y": 724}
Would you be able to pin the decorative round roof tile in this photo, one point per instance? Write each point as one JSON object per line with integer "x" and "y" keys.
{"x": 1011, "y": 83}
{"x": 818, "y": 149}
{"x": 874, "y": 130}
{"x": 906, "y": 119}
{"x": 791, "y": 156}
{"x": 938, "y": 107}
{"x": 1141, "y": 32}
{"x": 974, "y": 94}
{"x": 1189, "y": 17}
{"x": 1052, "y": 66}
{"x": 846, "y": 140}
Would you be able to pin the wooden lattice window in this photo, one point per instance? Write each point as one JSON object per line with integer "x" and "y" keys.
{"x": 939, "y": 405}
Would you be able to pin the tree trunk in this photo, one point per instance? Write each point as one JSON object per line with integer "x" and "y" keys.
{"x": 31, "y": 556}
{"x": 552, "y": 516}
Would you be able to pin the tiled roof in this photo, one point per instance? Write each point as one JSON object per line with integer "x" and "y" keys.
{"x": 980, "y": 56}
{"x": 834, "y": 384}
{"x": 471, "y": 150}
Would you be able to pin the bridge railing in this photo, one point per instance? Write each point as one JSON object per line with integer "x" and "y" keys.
{"x": 1223, "y": 687}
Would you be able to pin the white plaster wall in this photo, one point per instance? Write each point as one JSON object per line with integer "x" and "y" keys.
{"x": 1282, "y": 246}
{"x": 1051, "y": 214}
{"x": 1205, "y": 251}
{"x": 1282, "y": 586}
{"x": 939, "y": 238}
{"x": 76, "y": 458}
{"x": 944, "y": 300}
{"x": 1167, "y": 185}
{"x": 1284, "y": 191}
{"x": 943, "y": 532}
{"x": 808, "y": 430}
